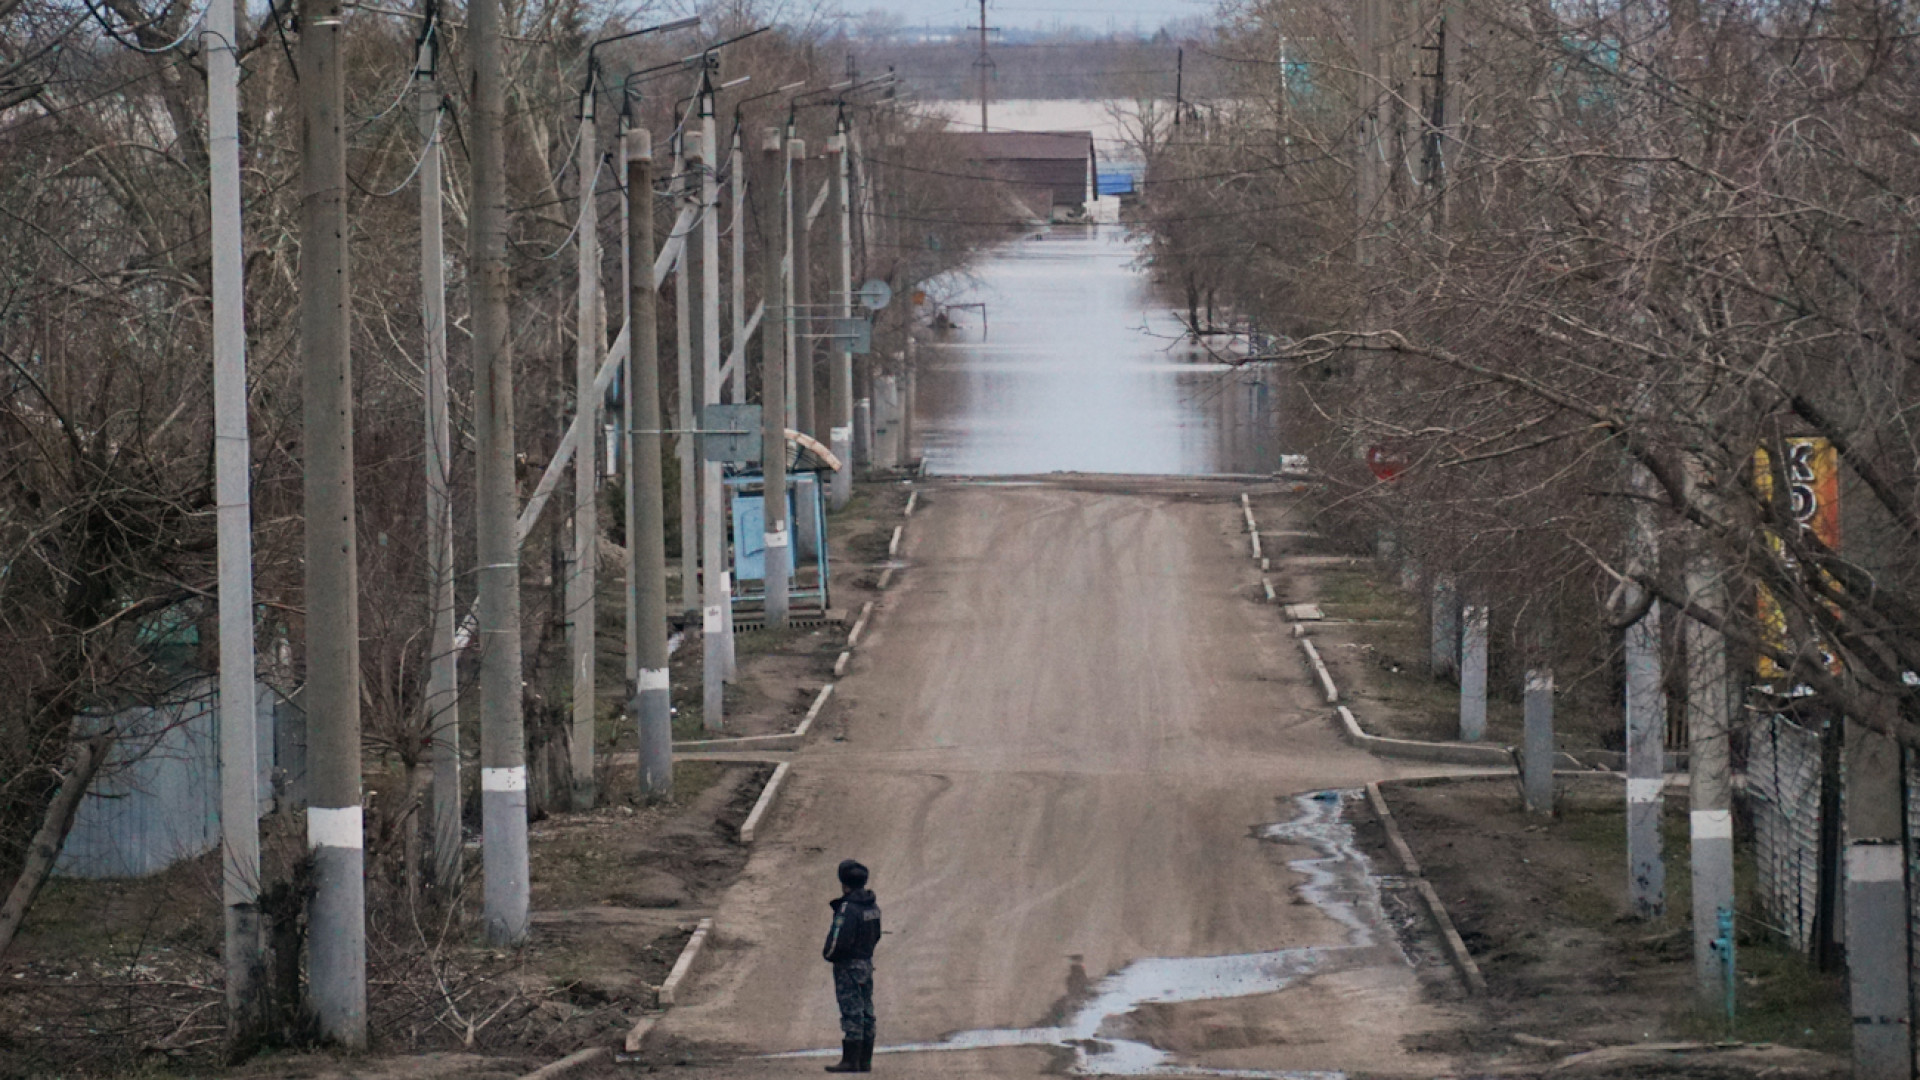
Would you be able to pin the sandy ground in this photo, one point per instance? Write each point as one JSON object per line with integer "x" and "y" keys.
{"x": 1057, "y": 747}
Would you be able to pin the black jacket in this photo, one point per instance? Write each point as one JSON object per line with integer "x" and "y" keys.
{"x": 856, "y": 927}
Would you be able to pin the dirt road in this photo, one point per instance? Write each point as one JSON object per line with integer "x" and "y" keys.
{"x": 1061, "y": 742}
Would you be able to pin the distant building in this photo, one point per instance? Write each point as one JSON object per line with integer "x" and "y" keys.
{"x": 1052, "y": 173}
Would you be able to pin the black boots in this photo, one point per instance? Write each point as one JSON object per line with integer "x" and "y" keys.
{"x": 856, "y": 1056}
{"x": 849, "y": 1057}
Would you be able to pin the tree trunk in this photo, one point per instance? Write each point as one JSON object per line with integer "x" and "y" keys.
{"x": 44, "y": 849}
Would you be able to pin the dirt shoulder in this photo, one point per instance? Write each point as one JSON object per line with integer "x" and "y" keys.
{"x": 616, "y": 892}
{"x": 1541, "y": 902}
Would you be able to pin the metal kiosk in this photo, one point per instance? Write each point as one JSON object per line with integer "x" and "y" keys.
{"x": 809, "y": 464}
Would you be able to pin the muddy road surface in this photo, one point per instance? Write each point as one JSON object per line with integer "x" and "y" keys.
{"x": 1101, "y": 800}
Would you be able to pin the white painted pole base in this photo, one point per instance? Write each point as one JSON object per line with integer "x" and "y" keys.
{"x": 503, "y": 828}
{"x": 337, "y": 927}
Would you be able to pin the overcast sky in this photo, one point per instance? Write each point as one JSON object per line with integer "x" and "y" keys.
{"x": 1040, "y": 14}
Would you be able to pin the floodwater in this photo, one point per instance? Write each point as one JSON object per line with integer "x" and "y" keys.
{"x": 1078, "y": 365}
{"x": 1339, "y": 881}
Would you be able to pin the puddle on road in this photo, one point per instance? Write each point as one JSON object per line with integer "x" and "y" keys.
{"x": 1340, "y": 882}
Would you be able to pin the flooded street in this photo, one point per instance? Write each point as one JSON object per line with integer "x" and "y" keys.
{"x": 1080, "y": 367}
{"x": 1104, "y": 809}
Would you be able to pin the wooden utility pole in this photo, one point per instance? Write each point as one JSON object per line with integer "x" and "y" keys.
{"x": 442, "y": 702}
{"x": 337, "y": 942}
{"x": 649, "y": 702}
{"x": 503, "y": 748}
{"x": 233, "y": 465}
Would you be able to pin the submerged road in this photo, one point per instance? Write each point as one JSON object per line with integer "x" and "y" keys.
{"x": 1062, "y": 740}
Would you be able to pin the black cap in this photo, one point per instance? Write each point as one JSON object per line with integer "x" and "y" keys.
{"x": 852, "y": 874}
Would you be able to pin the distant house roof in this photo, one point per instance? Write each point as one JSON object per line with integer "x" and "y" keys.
{"x": 1025, "y": 145}
{"x": 1048, "y": 168}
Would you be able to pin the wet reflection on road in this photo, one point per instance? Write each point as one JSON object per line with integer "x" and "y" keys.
{"x": 1339, "y": 881}
{"x": 1082, "y": 368}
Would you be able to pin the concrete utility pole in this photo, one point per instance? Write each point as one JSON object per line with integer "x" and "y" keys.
{"x": 1371, "y": 100}
{"x": 649, "y": 705}
{"x": 906, "y": 408}
{"x": 1445, "y": 647}
{"x": 737, "y": 182}
{"x": 337, "y": 934}
{"x": 774, "y": 211}
{"x": 1449, "y": 91}
{"x": 788, "y": 190}
{"x": 233, "y": 471}
{"x": 685, "y": 190}
{"x": 1710, "y": 784}
{"x": 1473, "y": 672}
{"x": 583, "y": 583}
{"x": 1536, "y": 757}
{"x": 841, "y": 432}
{"x": 442, "y": 703}
{"x": 1876, "y": 906}
{"x": 805, "y": 324}
{"x": 626, "y": 381}
{"x": 503, "y": 744}
{"x": 717, "y": 592}
{"x": 862, "y": 181}
{"x": 1646, "y": 707}
{"x": 984, "y": 65}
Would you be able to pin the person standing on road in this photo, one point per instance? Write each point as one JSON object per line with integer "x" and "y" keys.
{"x": 849, "y": 948}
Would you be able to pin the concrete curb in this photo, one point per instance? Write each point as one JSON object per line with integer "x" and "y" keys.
{"x": 683, "y": 966}
{"x": 840, "y": 663}
{"x": 764, "y": 803}
{"x": 742, "y": 745}
{"x": 637, "y": 1034}
{"x": 1266, "y": 587}
{"x": 886, "y": 579}
{"x": 1320, "y": 669}
{"x": 860, "y": 625}
{"x": 1418, "y": 750}
{"x": 913, "y": 497}
{"x": 747, "y": 744}
{"x": 579, "y": 1059}
{"x": 813, "y": 710}
{"x": 1476, "y": 983}
{"x": 893, "y": 545}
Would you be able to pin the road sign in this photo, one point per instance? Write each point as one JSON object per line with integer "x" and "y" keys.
{"x": 875, "y": 295}
{"x": 730, "y": 433}
{"x": 856, "y": 332}
{"x": 1386, "y": 462}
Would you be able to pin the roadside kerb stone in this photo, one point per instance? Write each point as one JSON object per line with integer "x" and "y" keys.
{"x": 792, "y": 740}
{"x": 1457, "y": 954}
{"x": 860, "y": 625}
{"x": 764, "y": 804}
{"x": 1319, "y": 669}
{"x": 579, "y": 1059}
{"x": 683, "y": 967}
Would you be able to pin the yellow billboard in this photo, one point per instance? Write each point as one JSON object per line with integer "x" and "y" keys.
{"x": 1812, "y": 473}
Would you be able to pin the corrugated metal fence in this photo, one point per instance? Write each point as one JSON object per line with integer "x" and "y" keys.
{"x": 158, "y": 800}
